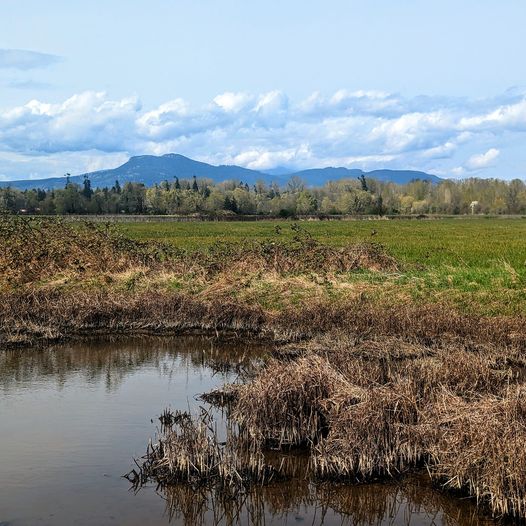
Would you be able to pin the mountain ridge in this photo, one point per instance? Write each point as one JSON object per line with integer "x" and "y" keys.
{"x": 151, "y": 169}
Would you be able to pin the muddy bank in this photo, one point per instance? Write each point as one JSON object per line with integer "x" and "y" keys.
{"x": 29, "y": 316}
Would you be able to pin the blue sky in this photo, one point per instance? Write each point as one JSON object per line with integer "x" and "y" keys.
{"x": 423, "y": 84}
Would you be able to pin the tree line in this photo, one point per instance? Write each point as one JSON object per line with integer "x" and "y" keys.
{"x": 200, "y": 196}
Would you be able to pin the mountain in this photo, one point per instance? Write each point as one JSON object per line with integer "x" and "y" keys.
{"x": 319, "y": 176}
{"x": 401, "y": 176}
{"x": 150, "y": 169}
{"x": 280, "y": 170}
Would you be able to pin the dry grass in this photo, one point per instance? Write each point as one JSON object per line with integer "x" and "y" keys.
{"x": 373, "y": 388}
{"x": 282, "y": 406}
{"x": 480, "y": 448}
{"x": 189, "y": 451}
{"x": 377, "y": 408}
{"x": 35, "y": 249}
{"x": 366, "y": 409}
{"x": 30, "y": 314}
{"x": 58, "y": 279}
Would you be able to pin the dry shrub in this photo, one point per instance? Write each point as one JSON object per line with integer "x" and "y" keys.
{"x": 32, "y": 249}
{"x": 370, "y": 436}
{"x": 282, "y": 405}
{"x": 480, "y": 448}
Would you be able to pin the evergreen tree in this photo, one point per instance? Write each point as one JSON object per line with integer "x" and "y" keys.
{"x": 363, "y": 183}
{"x": 87, "y": 191}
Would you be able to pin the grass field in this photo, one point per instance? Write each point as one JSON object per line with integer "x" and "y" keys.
{"x": 474, "y": 243}
{"x": 475, "y": 264}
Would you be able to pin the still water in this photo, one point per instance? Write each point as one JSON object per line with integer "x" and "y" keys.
{"x": 73, "y": 417}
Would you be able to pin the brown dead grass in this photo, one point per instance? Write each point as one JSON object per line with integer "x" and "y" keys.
{"x": 28, "y": 314}
{"x": 383, "y": 407}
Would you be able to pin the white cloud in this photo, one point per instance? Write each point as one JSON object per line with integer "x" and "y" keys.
{"x": 510, "y": 116}
{"x": 483, "y": 160}
{"x": 360, "y": 129}
{"x": 232, "y": 101}
{"x": 442, "y": 151}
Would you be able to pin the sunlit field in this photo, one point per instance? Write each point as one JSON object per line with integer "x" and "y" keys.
{"x": 469, "y": 242}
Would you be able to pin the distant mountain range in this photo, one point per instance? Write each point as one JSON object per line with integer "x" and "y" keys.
{"x": 151, "y": 169}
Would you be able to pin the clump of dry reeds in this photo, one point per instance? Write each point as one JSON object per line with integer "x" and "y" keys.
{"x": 189, "y": 451}
{"x": 282, "y": 406}
{"x": 366, "y": 410}
{"x": 480, "y": 448}
{"x": 370, "y": 436}
{"x": 371, "y": 409}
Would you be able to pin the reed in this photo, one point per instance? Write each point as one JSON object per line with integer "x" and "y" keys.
{"x": 370, "y": 409}
{"x": 479, "y": 448}
{"x": 189, "y": 451}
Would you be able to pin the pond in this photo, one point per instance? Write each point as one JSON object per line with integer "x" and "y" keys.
{"x": 74, "y": 416}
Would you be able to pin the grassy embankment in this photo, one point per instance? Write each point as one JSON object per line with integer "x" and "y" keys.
{"x": 281, "y": 280}
{"x": 407, "y": 353}
{"x": 477, "y": 265}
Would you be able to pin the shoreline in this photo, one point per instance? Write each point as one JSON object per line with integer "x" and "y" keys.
{"x": 43, "y": 316}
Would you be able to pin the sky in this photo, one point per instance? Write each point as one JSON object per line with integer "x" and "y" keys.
{"x": 433, "y": 85}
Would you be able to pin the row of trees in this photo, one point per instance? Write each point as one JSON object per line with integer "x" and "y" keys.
{"x": 362, "y": 196}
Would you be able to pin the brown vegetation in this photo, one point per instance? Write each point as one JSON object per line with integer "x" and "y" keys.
{"x": 60, "y": 279}
{"x": 388, "y": 407}
{"x": 376, "y": 408}
{"x": 30, "y": 314}
{"x": 373, "y": 388}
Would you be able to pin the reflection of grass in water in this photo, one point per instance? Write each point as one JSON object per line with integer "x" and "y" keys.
{"x": 404, "y": 502}
{"x": 205, "y": 481}
{"x": 110, "y": 360}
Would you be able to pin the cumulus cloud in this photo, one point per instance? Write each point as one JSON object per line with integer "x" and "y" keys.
{"x": 483, "y": 160}
{"x": 363, "y": 129}
{"x": 23, "y": 59}
{"x": 234, "y": 102}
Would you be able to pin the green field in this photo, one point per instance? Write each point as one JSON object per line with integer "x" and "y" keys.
{"x": 474, "y": 243}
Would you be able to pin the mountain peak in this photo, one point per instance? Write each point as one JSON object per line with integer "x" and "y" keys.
{"x": 152, "y": 169}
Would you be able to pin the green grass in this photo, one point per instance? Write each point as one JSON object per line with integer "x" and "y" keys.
{"x": 470, "y": 243}
{"x": 475, "y": 264}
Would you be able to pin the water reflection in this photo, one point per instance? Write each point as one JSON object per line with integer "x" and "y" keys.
{"x": 410, "y": 501}
{"x": 73, "y": 416}
{"x": 111, "y": 360}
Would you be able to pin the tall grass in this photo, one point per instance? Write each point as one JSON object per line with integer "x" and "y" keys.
{"x": 367, "y": 409}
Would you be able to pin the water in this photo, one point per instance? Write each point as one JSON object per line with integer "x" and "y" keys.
{"x": 73, "y": 417}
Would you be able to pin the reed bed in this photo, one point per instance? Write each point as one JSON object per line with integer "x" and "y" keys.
{"x": 281, "y": 408}
{"x": 480, "y": 448}
{"x": 31, "y": 314}
{"x": 190, "y": 451}
{"x": 373, "y": 409}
